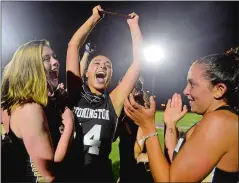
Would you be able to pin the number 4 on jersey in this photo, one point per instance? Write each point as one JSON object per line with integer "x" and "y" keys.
{"x": 92, "y": 138}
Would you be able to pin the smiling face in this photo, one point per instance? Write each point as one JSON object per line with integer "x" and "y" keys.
{"x": 199, "y": 91}
{"x": 51, "y": 66}
{"x": 99, "y": 74}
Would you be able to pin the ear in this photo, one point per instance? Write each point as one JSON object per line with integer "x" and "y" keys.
{"x": 219, "y": 90}
{"x": 86, "y": 73}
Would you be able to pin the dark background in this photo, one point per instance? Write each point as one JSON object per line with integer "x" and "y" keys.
{"x": 185, "y": 30}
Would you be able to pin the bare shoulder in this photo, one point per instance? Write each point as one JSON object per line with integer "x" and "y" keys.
{"x": 31, "y": 106}
{"x": 28, "y": 111}
{"x": 220, "y": 118}
{"x": 27, "y": 118}
{"x": 218, "y": 124}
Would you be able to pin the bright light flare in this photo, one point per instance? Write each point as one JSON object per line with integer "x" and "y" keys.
{"x": 153, "y": 53}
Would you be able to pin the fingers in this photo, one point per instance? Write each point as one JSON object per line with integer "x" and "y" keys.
{"x": 168, "y": 103}
{"x": 152, "y": 103}
{"x": 61, "y": 85}
{"x": 173, "y": 100}
{"x": 133, "y": 15}
{"x": 179, "y": 101}
{"x": 134, "y": 104}
{"x": 185, "y": 110}
{"x": 128, "y": 113}
{"x": 50, "y": 94}
{"x": 99, "y": 8}
{"x": 176, "y": 101}
{"x": 128, "y": 105}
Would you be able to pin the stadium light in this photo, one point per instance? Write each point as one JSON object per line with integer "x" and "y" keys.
{"x": 153, "y": 53}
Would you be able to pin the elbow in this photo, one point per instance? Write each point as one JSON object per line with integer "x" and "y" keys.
{"x": 58, "y": 159}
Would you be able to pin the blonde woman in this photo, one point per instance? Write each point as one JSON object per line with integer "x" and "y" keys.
{"x": 37, "y": 147}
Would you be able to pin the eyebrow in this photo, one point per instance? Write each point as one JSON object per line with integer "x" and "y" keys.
{"x": 191, "y": 81}
{"x": 45, "y": 56}
{"x": 101, "y": 60}
{"x": 49, "y": 54}
{"x": 52, "y": 53}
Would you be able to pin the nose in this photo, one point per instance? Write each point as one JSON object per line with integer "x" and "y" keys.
{"x": 103, "y": 65}
{"x": 186, "y": 90}
{"x": 55, "y": 62}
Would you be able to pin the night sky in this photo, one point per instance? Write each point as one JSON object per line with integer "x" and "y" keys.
{"x": 185, "y": 30}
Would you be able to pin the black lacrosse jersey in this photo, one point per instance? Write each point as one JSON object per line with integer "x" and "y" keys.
{"x": 96, "y": 123}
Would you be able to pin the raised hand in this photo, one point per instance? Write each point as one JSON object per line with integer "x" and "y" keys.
{"x": 174, "y": 111}
{"x": 139, "y": 114}
{"x": 89, "y": 48}
{"x": 60, "y": 86}
{"x": 97, "y": 12}
{"x": 134, "y": 19}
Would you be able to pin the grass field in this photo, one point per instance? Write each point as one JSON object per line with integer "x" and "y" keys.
{"x": 186, "y": 122}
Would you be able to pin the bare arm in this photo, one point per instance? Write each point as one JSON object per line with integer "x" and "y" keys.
{"x": 83, "y": 63}
{"x": 148, "y": 115}
{"x": 172, "y": 114}
{"x": 89, "y": 49}
{"x": 66, "y": 137}
{"x": 121, "y": 92}
{"x": 36, "y": 137}
{"x": 196, "y": 158}
{"x": 138, "y": 147}
{"x": 170, "y": 140}
{"x": 72, "y": 60}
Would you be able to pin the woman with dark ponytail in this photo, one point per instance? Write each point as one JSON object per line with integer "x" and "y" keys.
{"x": 210, "y": 145}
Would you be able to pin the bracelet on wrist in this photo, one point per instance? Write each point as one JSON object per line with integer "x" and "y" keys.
{"x": 150, "y": 135}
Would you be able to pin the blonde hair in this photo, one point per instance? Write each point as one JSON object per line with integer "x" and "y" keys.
{"x": 24, "y": 78}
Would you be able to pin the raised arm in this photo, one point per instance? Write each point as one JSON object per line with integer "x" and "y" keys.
{"x": 83, "y": 63}
{"x": 72, "y": 60}
{"x": 122, "y": 91}
{"x": 172, "y": 114}
{"x": 89, "y": 49}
